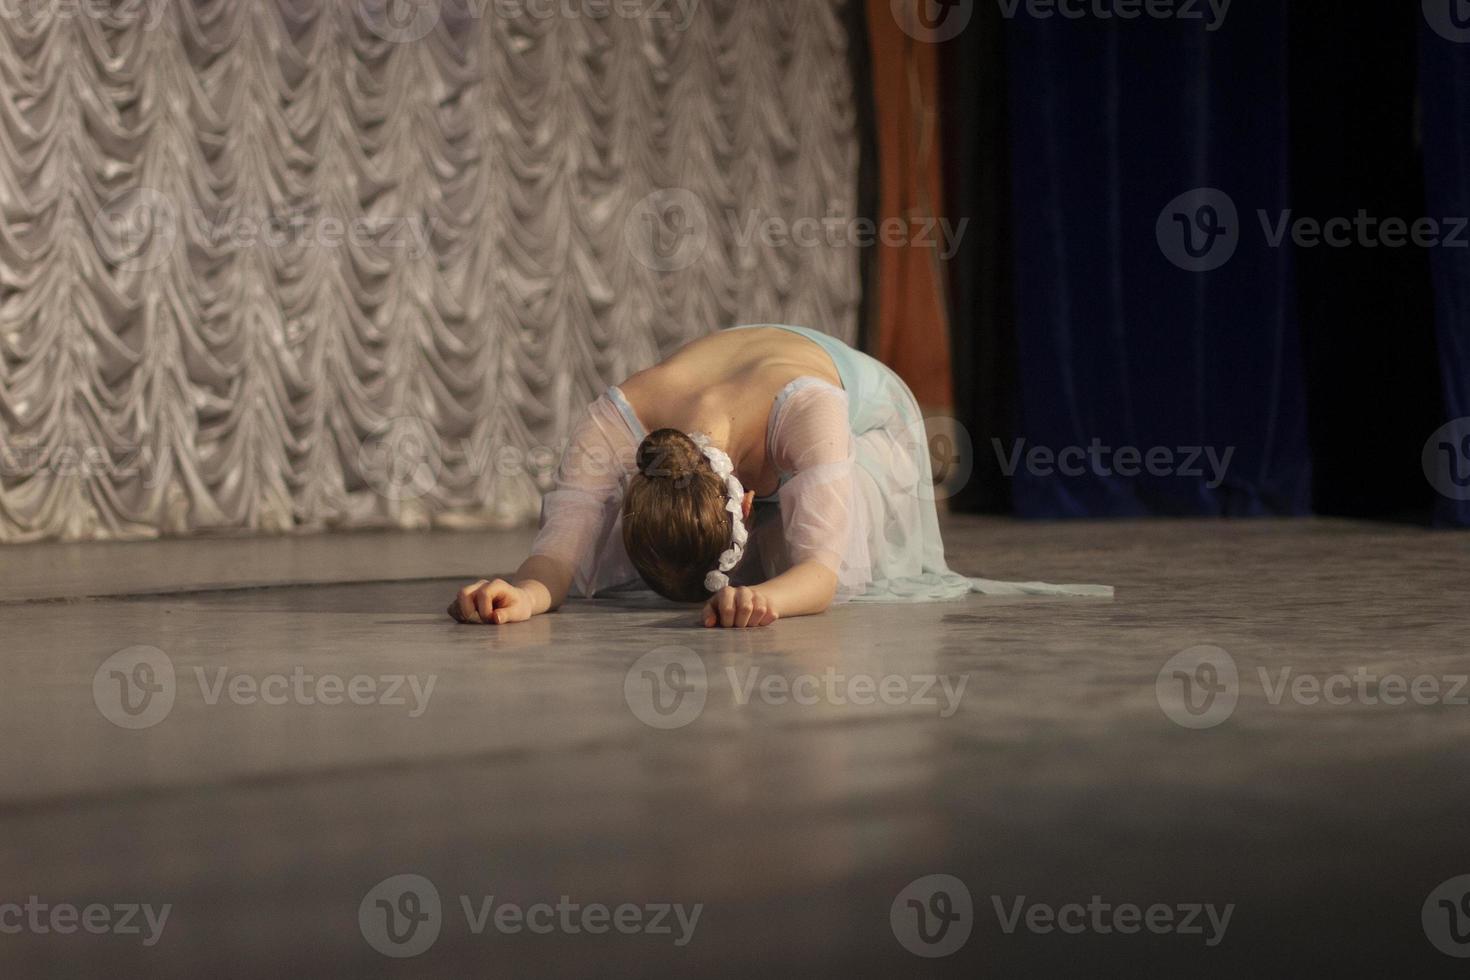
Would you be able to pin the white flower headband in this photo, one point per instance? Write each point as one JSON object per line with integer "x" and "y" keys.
{"x": 719, "y": 461}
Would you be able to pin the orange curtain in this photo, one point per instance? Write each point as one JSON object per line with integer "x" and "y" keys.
{"x": 910, "y": 327}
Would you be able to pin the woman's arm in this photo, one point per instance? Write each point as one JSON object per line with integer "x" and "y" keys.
{"x": 540, "y": 586}
{"x": 576, "y": 518}
{"x": 802, "y": 590}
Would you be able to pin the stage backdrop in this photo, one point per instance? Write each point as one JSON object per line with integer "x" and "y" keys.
{"x": 274, "y": 264}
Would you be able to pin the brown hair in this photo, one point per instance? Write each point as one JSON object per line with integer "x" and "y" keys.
{"x": 675, "y": 526}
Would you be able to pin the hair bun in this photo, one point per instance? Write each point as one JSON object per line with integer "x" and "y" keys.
{"x": 669, "y": 453}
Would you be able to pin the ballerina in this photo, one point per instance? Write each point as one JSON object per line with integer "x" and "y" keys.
{"x": 766, "y": 471}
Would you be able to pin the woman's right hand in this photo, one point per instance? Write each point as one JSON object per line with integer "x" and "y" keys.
{"x": 496, "y": 603}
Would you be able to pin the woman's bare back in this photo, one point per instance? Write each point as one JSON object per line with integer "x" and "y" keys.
{"x": 724, "y": 385}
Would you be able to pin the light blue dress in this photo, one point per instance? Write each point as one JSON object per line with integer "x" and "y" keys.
{"x": 905, "y": 550}
{"x": 863, "y": 506}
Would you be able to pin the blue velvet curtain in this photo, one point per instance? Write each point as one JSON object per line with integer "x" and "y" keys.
{"x": 1445, "y": 91}
{"x": 1142, "y": 152}
{"x": 1156, "y": 319}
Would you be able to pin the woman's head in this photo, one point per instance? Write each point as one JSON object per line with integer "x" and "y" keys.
{"x": 675, "y": 525}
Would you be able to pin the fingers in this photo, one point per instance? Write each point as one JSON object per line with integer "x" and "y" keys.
{"x": 725, "y": 603}
{"x": 491, "y": 599}
{"x": 744, "y": 607}
{"x": 738, "y": 608}
{"x": 496, "y": 602}
{"x": 466, "y": 599}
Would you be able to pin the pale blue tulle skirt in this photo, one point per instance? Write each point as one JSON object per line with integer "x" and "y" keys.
{"x": 896, "y": 489}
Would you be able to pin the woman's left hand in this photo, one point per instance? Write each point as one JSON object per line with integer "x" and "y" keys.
{"x": 738, "y": 607}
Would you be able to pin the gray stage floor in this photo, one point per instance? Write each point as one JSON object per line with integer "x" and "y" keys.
{"x": 568, "y": 761}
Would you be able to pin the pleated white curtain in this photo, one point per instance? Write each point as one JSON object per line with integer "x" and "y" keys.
{"x": 281, "y": 264}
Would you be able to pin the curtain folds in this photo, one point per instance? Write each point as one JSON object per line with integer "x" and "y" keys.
{"x": 1445, "y": 84}
{"x": 286, "y": 264}
{"x": 1157, "y": 333}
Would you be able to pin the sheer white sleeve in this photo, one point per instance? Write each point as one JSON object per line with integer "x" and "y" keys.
{"x": 580, "y": 517}
{"x": 811, "y": 443}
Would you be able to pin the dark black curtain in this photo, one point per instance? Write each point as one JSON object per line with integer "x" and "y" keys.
{"x": 1367, "y": 310}
{"x": 860, "y": 63}
{"x": 1445, "y": 83}
{"x": 974, "y": 108}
